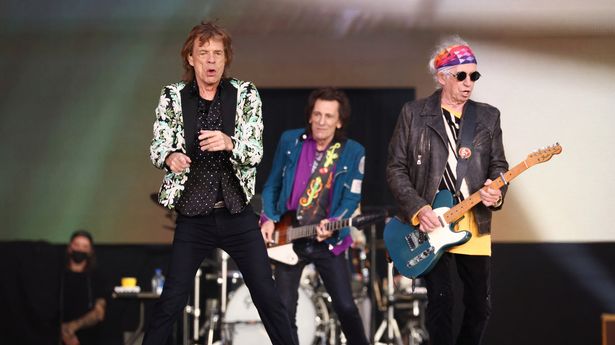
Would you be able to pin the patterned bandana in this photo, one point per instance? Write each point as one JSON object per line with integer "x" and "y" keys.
{"x": 453, "y": 56}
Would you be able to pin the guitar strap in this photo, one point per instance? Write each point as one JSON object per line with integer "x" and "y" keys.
{"x": 314, "y": 201}
{"x": 465, "y": 146}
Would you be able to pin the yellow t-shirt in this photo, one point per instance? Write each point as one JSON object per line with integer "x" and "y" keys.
{"x": 478, "y": 244}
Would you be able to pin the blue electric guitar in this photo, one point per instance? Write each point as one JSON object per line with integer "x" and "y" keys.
{"x": 414, "y": 253}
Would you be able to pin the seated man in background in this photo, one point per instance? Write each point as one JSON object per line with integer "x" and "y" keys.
{"x": 82, "y": 293}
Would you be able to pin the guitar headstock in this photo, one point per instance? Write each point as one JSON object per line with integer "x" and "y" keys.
{"x": 543, "y": 154}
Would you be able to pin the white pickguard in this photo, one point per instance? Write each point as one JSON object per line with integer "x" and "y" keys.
{"x": 443, "y": 235}
{"x": 284, "y": 254}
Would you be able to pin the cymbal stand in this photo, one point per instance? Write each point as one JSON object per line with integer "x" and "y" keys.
{"x": 225, "y": 334}
{"x": 416, "y": 325}
{"x": 389, "y": 323}
{"x": 223, "y": 285}
{"x": 195, "y": 311}
{"x": 212, "y": 321}
{"x": 216, "y": 315}
{"x": 197, "y": 303}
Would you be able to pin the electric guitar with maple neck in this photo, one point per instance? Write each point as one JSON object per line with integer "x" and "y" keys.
{"x": 414, "y": 253}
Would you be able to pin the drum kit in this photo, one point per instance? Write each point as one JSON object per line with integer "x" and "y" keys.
{"x": 230, "y": 317}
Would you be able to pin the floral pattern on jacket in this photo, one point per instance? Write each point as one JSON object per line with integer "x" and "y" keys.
{"x": 169, "y": 137}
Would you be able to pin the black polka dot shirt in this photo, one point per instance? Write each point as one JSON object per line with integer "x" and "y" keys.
{"x": 211, "y": 177}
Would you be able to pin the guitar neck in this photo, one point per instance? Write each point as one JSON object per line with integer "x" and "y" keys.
{"x": 461, "y": 208}
{"x": 310, "y": 230}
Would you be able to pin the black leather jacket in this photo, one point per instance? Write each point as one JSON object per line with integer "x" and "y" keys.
{"x": 418, "y": 154}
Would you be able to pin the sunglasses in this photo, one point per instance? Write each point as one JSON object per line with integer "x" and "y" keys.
{"x": 461, "y": 76}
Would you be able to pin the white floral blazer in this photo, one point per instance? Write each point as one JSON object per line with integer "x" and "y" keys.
{"x": 169, "y": 137}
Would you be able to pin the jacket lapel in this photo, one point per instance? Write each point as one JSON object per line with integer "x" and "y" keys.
{"x": 229, "y": 107}
{"x": 433, "y": 110}
{"x": 189, "y": 107}
{"x": 470, "y": 106}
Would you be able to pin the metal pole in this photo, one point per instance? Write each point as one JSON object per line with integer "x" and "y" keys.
{"x": 185, "y": 336}
{"x": 197, "y": 302}
{"x": 224, "y": 287}
{"x": 372, "y": 275}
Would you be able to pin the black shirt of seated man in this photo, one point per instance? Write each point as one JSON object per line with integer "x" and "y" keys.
{"x": 211, "y": 176}
{"x": 80, "y": 290}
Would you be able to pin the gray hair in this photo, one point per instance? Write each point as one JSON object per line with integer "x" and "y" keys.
{"x": 445, "y": 42}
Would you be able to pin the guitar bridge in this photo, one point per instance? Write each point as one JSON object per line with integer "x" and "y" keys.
{"x": 422, "y": 256}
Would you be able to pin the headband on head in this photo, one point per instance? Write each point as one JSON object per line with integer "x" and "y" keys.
{"x": 453, "y": 56}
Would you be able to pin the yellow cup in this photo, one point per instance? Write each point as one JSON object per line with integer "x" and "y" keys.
{"x": 129, "y": 281}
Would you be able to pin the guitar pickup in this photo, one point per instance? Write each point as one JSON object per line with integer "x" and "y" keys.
{"x": 415, "y": 238}
{"x": 412, "y": 241}
{"x": 422, "y": 237}
{"x": 422, "y": 256}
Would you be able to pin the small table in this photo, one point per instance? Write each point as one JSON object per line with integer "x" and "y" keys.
{"x": 141, "y": 297}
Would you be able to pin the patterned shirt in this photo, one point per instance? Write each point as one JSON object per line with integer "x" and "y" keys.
{"x": 211, "y": 177}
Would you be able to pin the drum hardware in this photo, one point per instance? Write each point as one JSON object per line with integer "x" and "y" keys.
{"x": 211, "y": 323}
{"x": 393, "y": 336}
{"x": 416, "y": 330}
{"x": 194, "y": 310}
{"x": 236, "y": 319}
{"x": 197, "y": 303}
{"x": 215, "y": 314}
{"x": 411, "y": 296}
{"x": 360, "y": 275}
{"x": 245, "y": 327}
{"x": 226, "y": 320}
{"x": 223, "y": 286}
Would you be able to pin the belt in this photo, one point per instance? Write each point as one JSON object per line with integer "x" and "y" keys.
{"x": 220, "y": 204}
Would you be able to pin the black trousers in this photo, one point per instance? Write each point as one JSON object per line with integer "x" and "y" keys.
{"x": 195, "y": 238}
{"x": 475, "y": 274}
{"x": 335, "y": 275}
